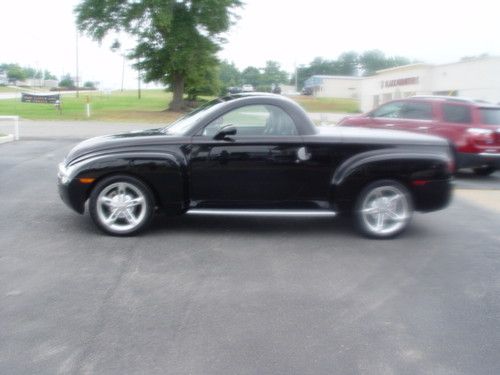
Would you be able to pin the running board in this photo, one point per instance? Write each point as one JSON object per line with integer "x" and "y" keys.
{"x": 240, "y": 212}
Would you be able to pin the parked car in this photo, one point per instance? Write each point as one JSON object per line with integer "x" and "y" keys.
{"x": 473, "y": 127}
{"x": 307, "y": 91}
{"x": 234, "y": 90}
{"x": 276, "y": 89}
{"x": 247, "y": 88}
{"x": 257, "y": 154}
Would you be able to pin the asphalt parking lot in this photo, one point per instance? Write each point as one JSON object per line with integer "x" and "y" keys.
{"x": 199, "y": 295}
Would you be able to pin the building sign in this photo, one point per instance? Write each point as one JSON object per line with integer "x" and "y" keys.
{"x": 36, "y": 98}
{"x": 400, "y": 82}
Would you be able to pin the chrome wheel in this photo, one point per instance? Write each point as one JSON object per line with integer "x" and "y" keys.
{"x": 384, "y": 209}
{"x": 121, "y": 207}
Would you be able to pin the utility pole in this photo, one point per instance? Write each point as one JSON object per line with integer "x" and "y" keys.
{"x": 138, "y": 82}
{"x": 296, "y": 78}
{"x": 77, "y": 83}
{"x": 123, "y": 71}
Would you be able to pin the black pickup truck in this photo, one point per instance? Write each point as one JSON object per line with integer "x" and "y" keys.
{"x": 257, "y": 154}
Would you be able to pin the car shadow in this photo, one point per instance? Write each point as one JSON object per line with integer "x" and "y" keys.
{"x": 467, "y": 179}
{"x": 339, "y": 227}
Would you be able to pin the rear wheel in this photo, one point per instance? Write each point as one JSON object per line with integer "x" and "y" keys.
{"x": 121, "y": 205}
{"x": 383, "y": 209}
{"x": 484, "y": 171}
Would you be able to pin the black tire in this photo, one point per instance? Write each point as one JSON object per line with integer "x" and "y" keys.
{"x": 484, "y": 171}
{"x": 386, "y": 202}
{"x": 134, "y": 204}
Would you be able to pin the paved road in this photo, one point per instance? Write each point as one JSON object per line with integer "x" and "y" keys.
{"x": 238, "y": 296}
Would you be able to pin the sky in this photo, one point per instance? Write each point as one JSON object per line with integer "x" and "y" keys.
{"x": 42, "y": 34}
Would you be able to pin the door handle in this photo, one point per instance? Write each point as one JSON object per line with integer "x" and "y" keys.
{"x": 389, "y": 125}
{"x": 423, "y": 128}
{"x": 303, "y": 155}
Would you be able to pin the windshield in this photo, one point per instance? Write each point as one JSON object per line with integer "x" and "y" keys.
{"x": 186, "y": 122}
{"x": 490, "y": 116}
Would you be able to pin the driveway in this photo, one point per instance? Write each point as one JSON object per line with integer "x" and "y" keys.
{"x": 198, "y": 295}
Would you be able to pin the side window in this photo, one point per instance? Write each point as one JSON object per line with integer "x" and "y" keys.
{"x": 416, "y": 111}
{"x": 254, "y": 120}
{"x": 390, "y": 110}
{"x": 457, "y": 114}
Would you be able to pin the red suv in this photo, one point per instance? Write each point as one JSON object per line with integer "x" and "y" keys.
{"x": 472, "y": 126}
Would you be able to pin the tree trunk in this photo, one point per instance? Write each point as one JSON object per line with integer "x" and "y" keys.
{"x": 177, "y": 103}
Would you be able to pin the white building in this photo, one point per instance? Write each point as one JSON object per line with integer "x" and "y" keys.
{"x": 334, "y": 86}
{"x": 476, "y": 79}
{"x": 3, "y": 78}
{"x": 35, "y": 82}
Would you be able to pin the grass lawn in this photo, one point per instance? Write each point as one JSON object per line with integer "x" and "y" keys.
{"x": 8, "y": 89}
{"x": 312, "y": 104}
{"x": 118, "y": 106}
{"x": 126, "y": 107}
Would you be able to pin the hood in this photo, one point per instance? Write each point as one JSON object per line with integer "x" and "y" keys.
{"x": 114, "y": 141}
{"x": 366, "y": 135}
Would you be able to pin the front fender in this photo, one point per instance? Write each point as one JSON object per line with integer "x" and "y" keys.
{"x": 164, "y": 173}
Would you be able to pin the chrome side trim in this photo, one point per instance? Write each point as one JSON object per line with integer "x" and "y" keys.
{"x": 239, "y": 212}
{"x": 490, "y": 155}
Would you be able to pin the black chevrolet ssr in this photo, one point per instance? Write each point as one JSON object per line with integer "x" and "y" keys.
{"x": 257, "y": 154}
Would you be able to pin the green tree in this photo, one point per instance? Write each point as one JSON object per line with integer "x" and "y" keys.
{"x": 89, "y": 85}
{"x": 371, "y": 61}
{"x": 229, "y": 75}
{"x": 67, "y": 81}
{"x": 15, "y": 73}
{"x": 205, "y": 82}
{"x": 30, "y": 72}
{"x": 251, "y": 75}
{"x": 318, "y": 66}
{"x": 272, "y": 73}
{"x": 177, "y": 39}
{"x": 48, "y": 75}
{"x": 347, "y": 64}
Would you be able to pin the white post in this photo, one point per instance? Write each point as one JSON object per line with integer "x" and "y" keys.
{"x": 16, "y": 128}
{"x": 16, "y": 125}
{"x": 88, "y": 109}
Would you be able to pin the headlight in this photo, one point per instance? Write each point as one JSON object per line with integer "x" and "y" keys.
{"x": 63, "y": 174}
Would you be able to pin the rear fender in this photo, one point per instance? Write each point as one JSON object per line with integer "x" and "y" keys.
{"x": 404, "y": 166}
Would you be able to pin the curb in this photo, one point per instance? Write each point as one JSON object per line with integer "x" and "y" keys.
{"x": 487, "y": 199}
{"x": 6, "y": 138}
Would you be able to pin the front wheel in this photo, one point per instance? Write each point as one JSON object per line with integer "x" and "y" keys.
{"x": 383, "y": 209}
{"x": 121, "y": 205}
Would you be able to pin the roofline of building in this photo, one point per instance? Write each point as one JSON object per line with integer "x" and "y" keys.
{"x": 473, "y": 59}
{"x": 404, "y": 67}
{"x": 336, "y": 77}
{"x": 426, "y": 65}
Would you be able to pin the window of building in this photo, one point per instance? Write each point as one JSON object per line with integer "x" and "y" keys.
{"x": 457, "y": 113}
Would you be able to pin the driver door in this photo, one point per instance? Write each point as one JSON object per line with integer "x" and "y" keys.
{"x": 258, "y": 167}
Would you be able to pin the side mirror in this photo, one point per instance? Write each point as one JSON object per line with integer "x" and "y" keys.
{"x": 225, "y": 132}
